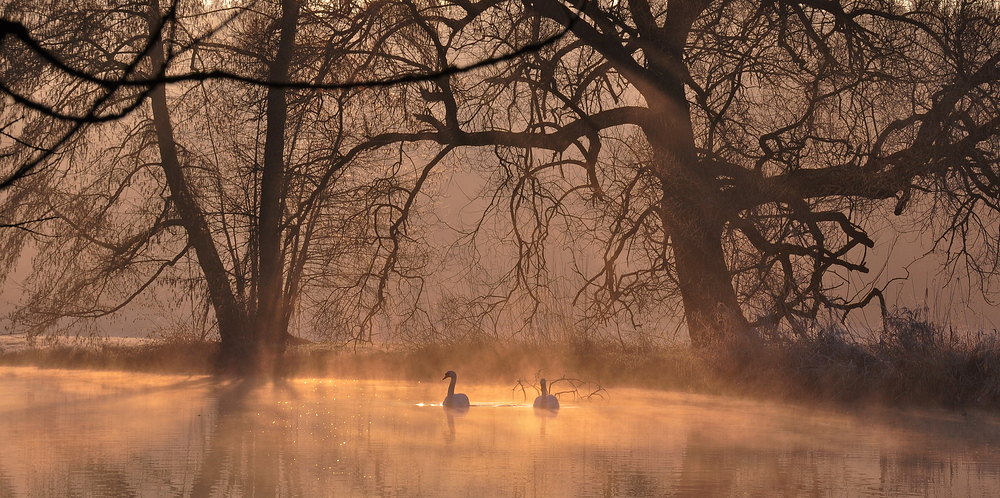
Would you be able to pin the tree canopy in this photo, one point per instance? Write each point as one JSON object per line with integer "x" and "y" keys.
{"x": 735, "y": 158}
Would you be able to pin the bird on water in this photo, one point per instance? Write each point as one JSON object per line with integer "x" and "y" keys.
{"x": 546, "y": 400}
{"x": 453, "y": 400}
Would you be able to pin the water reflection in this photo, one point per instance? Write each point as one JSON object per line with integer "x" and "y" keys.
{"x": 250, "y": 452}
{"x": 451, "y": 414}
{"x": 106, "y": 434}
{"x": 545, "y": 412}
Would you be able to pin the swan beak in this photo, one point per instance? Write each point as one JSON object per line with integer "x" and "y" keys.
{"x": 445, "y": 377}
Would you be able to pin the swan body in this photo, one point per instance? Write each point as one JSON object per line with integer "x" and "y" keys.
{"x": 452, "y": 400}
{"x": 546, "y": 400}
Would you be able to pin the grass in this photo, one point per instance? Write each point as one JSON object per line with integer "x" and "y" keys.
{"x": 189, "y": 357}
{"x": 910, "y": 362}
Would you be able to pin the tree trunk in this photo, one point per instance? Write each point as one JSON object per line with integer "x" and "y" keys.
{"x": 711, "y": 310}
{"x": 270, "y": 327}
{"x": 236, "y": 340}
{"x": 693, "y": 214}
{"x": 694, "y": 219}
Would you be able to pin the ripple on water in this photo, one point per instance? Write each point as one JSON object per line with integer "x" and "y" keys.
{"x": 112, "y": 434}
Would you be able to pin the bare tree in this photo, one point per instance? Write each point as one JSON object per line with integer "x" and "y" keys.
{"x": 255, "y": 195}
{"x": 728, "y": 152}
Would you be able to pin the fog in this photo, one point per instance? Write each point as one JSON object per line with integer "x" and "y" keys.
{"x": 901, "y": 262}
{"x": 241, "y": 241}
{"x": 114, "y": 434}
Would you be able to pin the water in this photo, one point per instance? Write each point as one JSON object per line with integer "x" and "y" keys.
{"x": 72, "y": 433}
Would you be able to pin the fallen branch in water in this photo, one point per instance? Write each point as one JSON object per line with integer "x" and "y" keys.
{"x": 581, "y": 389}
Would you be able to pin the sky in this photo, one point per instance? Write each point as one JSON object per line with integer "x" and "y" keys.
{"x": 918, "y": 280}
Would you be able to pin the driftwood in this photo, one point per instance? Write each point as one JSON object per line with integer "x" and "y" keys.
{"x": 581, "y": 389}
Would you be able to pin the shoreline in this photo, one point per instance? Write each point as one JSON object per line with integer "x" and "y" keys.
{"x": 823, "y": 370}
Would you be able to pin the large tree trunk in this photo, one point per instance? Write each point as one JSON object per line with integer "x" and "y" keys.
{"x": 693, "y": 216}
{"x": 271, "y": 328}
{"x": 236, "y": 344}
{"x": 711, "y": 310}
{"x": 693, "y": 209}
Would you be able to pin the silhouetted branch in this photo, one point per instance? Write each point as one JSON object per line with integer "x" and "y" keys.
{"x": 146, "y": 85}
{"x": 581, "y": 389}
{"x": 23, "y": 225}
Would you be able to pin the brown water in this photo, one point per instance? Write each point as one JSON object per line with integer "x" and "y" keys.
{"x": 71, "y": 433}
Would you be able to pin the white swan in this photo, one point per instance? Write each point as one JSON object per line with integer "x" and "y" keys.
{"x": 460, "y": 400}
{"x": 546, "y": 400}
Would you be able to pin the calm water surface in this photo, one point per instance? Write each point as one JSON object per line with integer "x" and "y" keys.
{"x": 71, "y": 433}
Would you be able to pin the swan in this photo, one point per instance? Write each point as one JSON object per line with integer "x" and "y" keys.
{"x": 460, "y": 400}
{"x": 546, "y": 400}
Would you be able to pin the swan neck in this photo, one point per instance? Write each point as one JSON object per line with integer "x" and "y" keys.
{"x": 545, "y": 390}
{"x": 451, "y": 387}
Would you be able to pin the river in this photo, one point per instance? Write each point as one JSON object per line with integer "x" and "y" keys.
{"x": 85, "y": 433}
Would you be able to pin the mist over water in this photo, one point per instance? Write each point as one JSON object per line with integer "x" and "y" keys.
{"x": 122, "y": 434}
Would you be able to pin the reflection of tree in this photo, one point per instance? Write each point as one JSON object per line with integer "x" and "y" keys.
{"x": 105, "y": 480}
{"x": 449, "y": 437}
{"x": 6, "y": 483}
{"x": 714, "y": 466}
{"x": 621, "y": 478}
{"x": 712, "y": 469}
{"x": 252, "y": 450}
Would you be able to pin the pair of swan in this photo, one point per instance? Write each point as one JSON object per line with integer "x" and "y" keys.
{"x": 460, "y": 401}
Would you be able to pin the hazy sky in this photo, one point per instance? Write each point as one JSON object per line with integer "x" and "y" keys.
{"x": 896, "y": 255}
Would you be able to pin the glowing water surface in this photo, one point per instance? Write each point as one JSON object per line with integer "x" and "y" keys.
{"x": 71, "y": 433}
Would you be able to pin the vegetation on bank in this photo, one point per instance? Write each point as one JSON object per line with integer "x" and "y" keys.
{"x": 912, "y": 361}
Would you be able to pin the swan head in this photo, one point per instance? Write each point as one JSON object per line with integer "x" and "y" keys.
{"x": 449, "y": 373}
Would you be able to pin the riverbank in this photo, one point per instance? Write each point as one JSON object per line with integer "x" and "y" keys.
{"x": 912, "y": 364}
